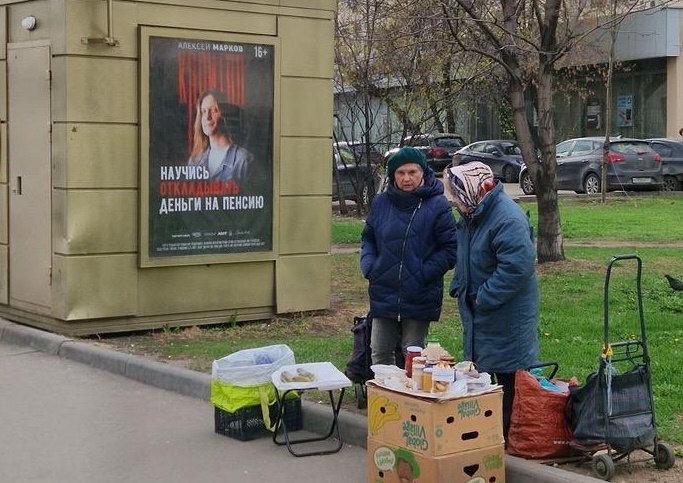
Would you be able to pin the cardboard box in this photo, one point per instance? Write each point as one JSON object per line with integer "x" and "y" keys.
{"x": 392, "y": 464}
{"x": 435, "y": 427}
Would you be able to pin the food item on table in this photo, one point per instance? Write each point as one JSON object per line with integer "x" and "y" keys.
{"x": 308, "y": 376}
{"x": 473, "y": 373}
{"x": 301, "y": 375}
{"x": 418, "y": 375}
{"x": 467, "y": 368}
{"x": 433, "y": 350}
{"x": 427, "y": 378}
{"x": 412, "y": 352}
{"x": 440, "y": 386}
{"x": 442, "y": 377}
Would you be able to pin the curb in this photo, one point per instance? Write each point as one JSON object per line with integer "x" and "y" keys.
{"x": 316, "y": 418}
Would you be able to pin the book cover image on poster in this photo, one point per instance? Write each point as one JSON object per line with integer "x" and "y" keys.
{"x": 210, "y": 147}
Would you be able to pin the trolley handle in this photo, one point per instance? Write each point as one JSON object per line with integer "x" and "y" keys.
{"x": 606, "y": 348}
{"x": 631, "y": 256}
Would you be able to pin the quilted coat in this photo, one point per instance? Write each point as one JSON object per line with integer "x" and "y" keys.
{"x": 496, "y": 285}
{"x": 407, "y": 246}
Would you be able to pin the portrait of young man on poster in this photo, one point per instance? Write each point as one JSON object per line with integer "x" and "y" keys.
{"x": 210, "y": 147}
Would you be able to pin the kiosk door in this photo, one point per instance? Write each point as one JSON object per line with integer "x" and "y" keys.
{"x": 30, "y": 186}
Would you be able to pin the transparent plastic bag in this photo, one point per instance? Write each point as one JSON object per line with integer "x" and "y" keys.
{"x": 250, "y": 367}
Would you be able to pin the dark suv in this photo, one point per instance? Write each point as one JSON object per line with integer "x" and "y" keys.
{"x": 438, "y": 148}
{"x": 361, "y": 150}
{"x": 353, "y": 177}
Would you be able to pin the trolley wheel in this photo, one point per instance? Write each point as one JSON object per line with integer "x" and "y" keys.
{"x": 361, "y": 395}
{"x": 603, "y": 466}
{"x": 664, "y": 456}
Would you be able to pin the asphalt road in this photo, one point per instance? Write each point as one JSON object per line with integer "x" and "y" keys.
{"x": 67, "y": 422}
{"x": 513, "y": 189}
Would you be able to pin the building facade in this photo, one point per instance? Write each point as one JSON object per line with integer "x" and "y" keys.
{"x": 646, "y": 100}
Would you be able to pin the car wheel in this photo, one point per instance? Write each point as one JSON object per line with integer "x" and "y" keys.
{"x": 591, "y": 184}
{"x": 671, "y": 184}
{"x": 509, "y": 174}
{"x": 526, "y": 184}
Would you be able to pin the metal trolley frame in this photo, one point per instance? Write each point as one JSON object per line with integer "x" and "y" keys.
{"x": 625, "y": 420}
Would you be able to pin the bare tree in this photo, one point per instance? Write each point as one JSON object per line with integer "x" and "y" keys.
{"x": 354, "y": 51}
{"x": 399, "y": 54}
{"x": 422, "y": 55}
{"x": 528, "y": 39}
{"x": 522, "y": 37}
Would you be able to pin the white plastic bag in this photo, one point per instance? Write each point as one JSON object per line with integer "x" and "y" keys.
{"x": 250, "y": 367}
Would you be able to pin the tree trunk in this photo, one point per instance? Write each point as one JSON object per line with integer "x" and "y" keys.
{"x": 549, "y": 245}
{"x": 550, "y": 240}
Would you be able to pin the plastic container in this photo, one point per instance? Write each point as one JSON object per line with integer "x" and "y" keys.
{"x": 442, "y": 378}
{"x": 247, "y": 423}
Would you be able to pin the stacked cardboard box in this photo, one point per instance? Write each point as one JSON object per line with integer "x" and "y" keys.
{"x": 424, "y": 440}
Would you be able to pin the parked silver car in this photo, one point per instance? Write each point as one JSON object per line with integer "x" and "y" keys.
{"x": 633, "y": 165}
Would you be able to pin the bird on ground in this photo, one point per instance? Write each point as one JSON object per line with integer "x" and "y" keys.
{"x": 674, "y": 283}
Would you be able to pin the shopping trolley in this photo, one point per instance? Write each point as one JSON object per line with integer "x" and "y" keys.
{"x": 613, "y": 412}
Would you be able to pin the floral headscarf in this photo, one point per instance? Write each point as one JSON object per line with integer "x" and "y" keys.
{"x": 469, "y": 184}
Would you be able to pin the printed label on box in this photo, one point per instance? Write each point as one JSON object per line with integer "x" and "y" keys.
{"x": 392, "y": 464}
{"x": 435, "y": 427}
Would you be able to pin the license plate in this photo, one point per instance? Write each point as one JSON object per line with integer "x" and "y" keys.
{"x": 642, "y": 180}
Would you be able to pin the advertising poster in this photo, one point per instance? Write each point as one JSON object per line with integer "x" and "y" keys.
{"x": 210, "y": 147}
{"x": 594, "y": 115}
{"x": 625, "y": 111}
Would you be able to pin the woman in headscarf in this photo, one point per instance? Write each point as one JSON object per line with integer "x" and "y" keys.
{"x": 495, "y": 278}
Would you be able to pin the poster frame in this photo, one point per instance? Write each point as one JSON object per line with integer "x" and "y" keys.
{"x": 144, "y": 259}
